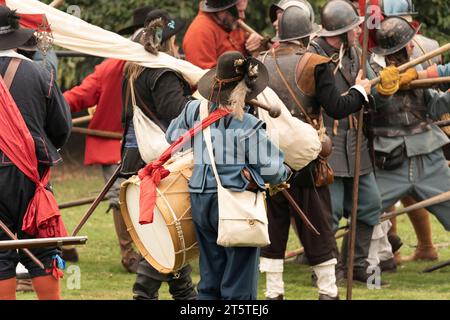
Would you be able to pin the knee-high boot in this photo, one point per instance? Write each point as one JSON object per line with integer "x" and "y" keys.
{"x": 425, "y": 250}
{"x": 363, "y": 239}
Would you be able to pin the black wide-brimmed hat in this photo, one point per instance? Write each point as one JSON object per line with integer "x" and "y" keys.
{"x": 393, "y": 35}
{"x": 11, "y": 35}
{"x": 171, "y": 25}
{"x": 216, "y": 5}
{"x": 232, "y": 67}
{"x": 139, "y": 16}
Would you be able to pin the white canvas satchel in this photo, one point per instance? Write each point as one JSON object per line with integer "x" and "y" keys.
{"x": 151, "y": 140}
{"x": 242, "y": 215}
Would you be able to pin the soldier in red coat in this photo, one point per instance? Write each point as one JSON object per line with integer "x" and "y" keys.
{"x": 103, "y": 88}
{"x": 215, "y": 31}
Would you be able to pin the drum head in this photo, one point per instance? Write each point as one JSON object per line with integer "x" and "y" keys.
{"x": 154, "y": 236}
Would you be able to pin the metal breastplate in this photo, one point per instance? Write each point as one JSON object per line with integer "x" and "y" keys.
{"x": 405, "y": 113}
{"x": 288, "y": 64}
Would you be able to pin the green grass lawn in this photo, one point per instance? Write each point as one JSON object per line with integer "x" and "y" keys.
{"x": 103, "y": 277}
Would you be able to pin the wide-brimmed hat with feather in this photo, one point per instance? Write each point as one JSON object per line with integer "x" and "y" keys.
{"x": 11, "y": 35}
{"x": 235, "y": 80}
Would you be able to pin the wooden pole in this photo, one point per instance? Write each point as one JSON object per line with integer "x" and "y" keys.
{"x": 56, "y": 3}
{"x": 247, "y": 28}
{"x": 97, "y": 200}
{"x": 418, "y": 61}
{"x": 357, "y": 167}
{"x": 442, "y": 123}
{"x": 81, "y": 120}
{"x": 419, "y": 205}
{"x": 77, "y": 203}
{"x": 98, "y": 133}
{"x": 299, "y": 251}
{"x": 426, "y": 83}
{"x": 12, "y": 236}
{"x": 437, "y": 267}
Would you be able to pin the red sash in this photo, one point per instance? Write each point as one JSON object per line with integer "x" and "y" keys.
{"x": 42, "y": 218}
{"x": 152, "y": 174}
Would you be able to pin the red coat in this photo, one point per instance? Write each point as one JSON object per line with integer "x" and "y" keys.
{"x": 104, "y": 89}
{"x": 205, "y": 41}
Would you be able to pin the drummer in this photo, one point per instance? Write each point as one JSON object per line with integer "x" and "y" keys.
{"x": 164, "y": 93}
{"x": 229, "y": 273}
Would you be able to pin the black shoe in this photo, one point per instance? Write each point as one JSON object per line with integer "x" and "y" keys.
{"x": 395, "y": 242}
{"x": 388, "y": 266}
{"x": 327, "y": 297}
{"x": 340, "y": 274}
{"x": 361, "y": 275}
{"x": 279, "y": 297}
{"x": 302, "y": 259}
{"x": 69, "y": 255}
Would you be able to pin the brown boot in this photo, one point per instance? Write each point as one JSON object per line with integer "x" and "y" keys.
{"x": 420, "y": 220}
{"x": 423, "y": 253}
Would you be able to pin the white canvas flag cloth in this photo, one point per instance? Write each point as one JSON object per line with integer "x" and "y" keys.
{"x": 75, "y": 34}
{"x": 298, "y": 140}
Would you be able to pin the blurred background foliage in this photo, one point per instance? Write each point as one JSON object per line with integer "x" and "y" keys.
{"x": 116, "y": 14}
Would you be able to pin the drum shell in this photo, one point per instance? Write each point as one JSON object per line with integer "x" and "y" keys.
{"x": 173, "y": 202}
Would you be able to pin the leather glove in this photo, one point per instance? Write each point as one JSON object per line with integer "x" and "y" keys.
{"x": 390, "y": 81}
{"x": 408, "y": 76}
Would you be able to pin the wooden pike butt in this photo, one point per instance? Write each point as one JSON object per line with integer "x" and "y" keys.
{"x": 359, "y": 135}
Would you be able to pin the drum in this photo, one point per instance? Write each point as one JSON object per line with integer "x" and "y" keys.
{"x": 169, "y": 243}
